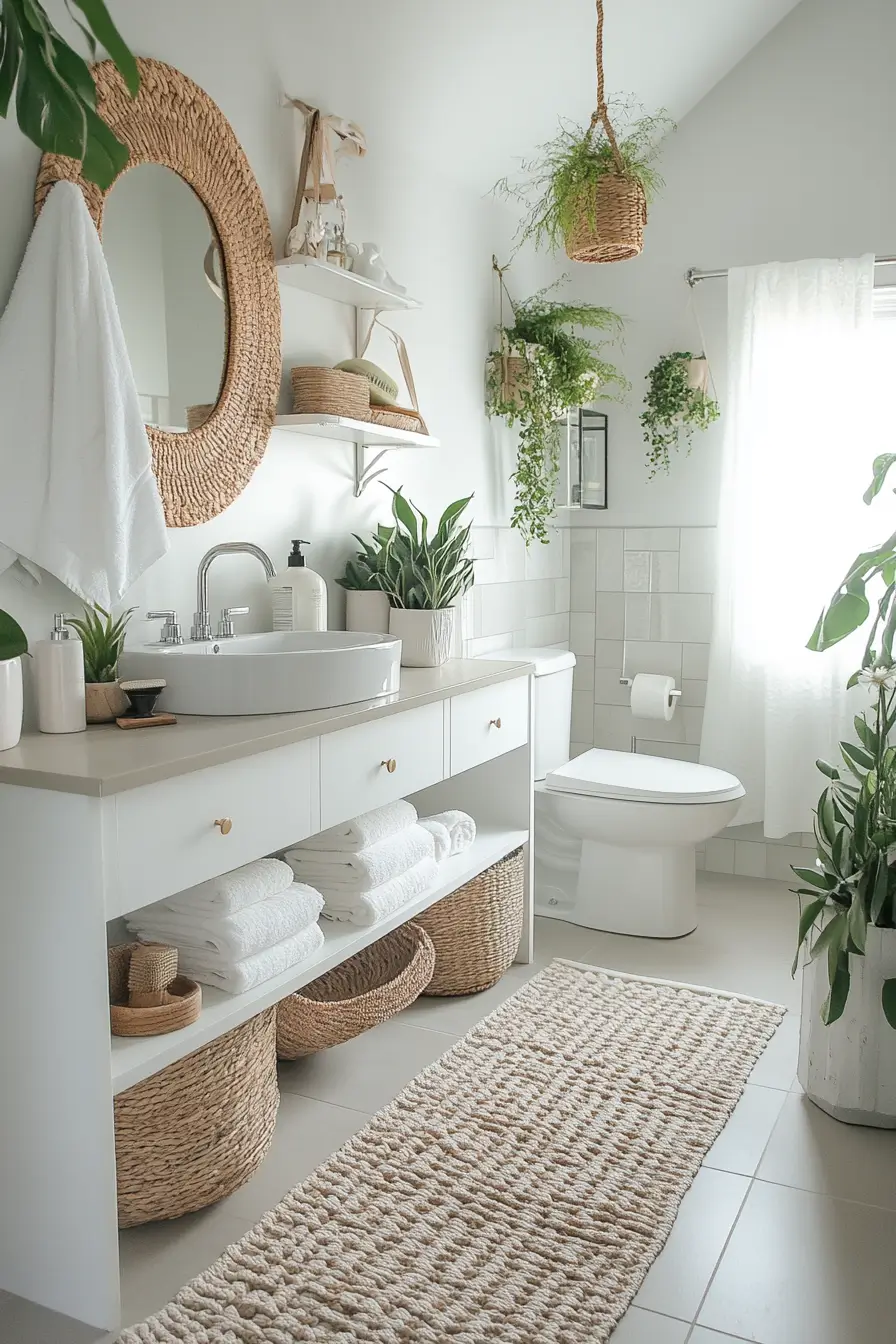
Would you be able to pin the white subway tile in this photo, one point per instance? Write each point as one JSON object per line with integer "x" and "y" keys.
{"x": 664, "y": 571}
{"x": 581, "y": 631}
{"x": 675, "y": 751}
{"x": 701, "y": 860}
{"x": 697, "y": 566}
{"x": 610, "y": 616}
{"x": 681, "y": 616}
{"x": 778, "y": 859}
{"x": 510, "y": 555}
{"x": 695, "y": 662}
{"x": 583, "y": 674}
{"x": 582, "y": 724}
{"x": 693, "y": 724}
{"x": 579, "y": 749}
{"x": 649, "y": 656}
{"x": 490, "y": 644}
{"x": 651, "y": 538}
{"x": 608, "y": 653}
{"x": 612, "y": 727}
{"x": 659, "y": 730}
{"x": 607, "y": 690}
{"x": 482, "y": 543}
{"x": 693, "y": 693}
{"x": 636, "y": 572}
{"x": 502, "y": 608}
{"x": 638, "y": 615}
{"x": 561, "y": 594}
{"x": 749, "y": 859}
{"x": 540, "y": 597}
{"x": 583, "y": 576}
{"x": 610, "y": 559}
{"x": 720, "y": 856}
{"x": 545, "y": 560}
{"x": 544, "y": 631}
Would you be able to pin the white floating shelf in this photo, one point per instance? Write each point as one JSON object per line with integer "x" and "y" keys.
{"x": 136, "y": 1058}
{"x": 354, "y": 431}
{"x": 332, "y": 282}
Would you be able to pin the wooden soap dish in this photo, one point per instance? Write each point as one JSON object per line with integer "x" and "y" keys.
{"x": 147, "y": 721}
{"x": 180, "y": 1000}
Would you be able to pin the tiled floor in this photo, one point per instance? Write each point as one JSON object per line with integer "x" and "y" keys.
{"x": 787, "y": 1235}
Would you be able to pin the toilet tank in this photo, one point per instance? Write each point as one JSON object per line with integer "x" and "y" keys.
{"x": 553, "y": 701}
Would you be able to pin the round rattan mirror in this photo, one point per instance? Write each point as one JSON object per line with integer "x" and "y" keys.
{"x": 174, "y": 123}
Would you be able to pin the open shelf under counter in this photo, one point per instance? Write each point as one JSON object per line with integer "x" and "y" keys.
{"x": 346, "y": 430}
{"x": 136, "y": 1058}
{"x": 333, "y": 282}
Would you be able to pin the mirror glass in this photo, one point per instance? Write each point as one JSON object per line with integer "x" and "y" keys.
{"x": 167, "y": 272}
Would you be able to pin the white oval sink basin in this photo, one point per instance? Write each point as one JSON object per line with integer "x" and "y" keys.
{"x": 269, "y": 674}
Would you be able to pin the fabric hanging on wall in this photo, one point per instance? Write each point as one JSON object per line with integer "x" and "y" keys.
{"x": 799, "y": 442}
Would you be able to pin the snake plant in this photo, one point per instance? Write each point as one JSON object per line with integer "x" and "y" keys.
{"x": 102, "y": 638}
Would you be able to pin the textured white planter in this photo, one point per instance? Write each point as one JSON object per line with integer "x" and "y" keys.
{"x": 426, "y": 636}
{"x": 849, "y": 1068}
{"x": 367, "y": 612}
{"x": 10, "y": 703}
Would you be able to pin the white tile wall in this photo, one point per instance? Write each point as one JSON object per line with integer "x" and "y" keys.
{"x": 519, "y": 598}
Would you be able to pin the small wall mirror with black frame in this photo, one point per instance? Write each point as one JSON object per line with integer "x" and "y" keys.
{"x": 582, "y": 437}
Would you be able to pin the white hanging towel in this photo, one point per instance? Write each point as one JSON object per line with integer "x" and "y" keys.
{"x": 78, "y": 494}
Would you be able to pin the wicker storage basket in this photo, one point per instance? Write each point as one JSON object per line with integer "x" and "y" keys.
{"x": 197, "y": 1130}
{"x": 476, "y": 930}
{"x": 614, "y": 231}
{"x": 510, "y": 375}
{"x": 367, "y": 989}
{"x": 320, "y": 391}
{"x": 155, "y": 1021}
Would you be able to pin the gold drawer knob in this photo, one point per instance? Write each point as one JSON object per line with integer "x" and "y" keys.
{"x": 224, "y": 825}
{"x": 494, "y": 723}
{"x": 391, "y": 765}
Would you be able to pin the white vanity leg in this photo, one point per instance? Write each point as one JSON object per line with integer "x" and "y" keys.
{"x": 58, "y": 1223}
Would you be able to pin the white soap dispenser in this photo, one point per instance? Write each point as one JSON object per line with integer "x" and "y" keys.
{"x": 59, "y": 673}
{"x": 298, "y": 597}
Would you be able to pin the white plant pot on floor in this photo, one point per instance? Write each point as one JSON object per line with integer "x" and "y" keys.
{"x": 367, "y": 612}
{"x": 849, "y": 1068}
{"x": 10, "y": 702}
{"x": 426, "y": 636}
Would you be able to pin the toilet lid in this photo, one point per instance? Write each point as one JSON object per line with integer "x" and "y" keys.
{"x": 646, "y": 779}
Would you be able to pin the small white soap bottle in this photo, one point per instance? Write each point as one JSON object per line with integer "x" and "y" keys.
{"x": 298, "y": 597}
{"x": 59, "y": 673}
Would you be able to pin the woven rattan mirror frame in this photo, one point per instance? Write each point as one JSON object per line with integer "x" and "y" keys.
{"x": 175, "y": 123}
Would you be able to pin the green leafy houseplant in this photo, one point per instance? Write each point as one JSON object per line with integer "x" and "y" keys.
{"x": 102, "y": 639}
{"x": 673, "y": 406}
{"x": 423, "y": 573}
{"x": 363, "y": 572}
{"x": 55, "y": 98}
{"x": 13, "y": 643}
{"x": 556, "y": 369}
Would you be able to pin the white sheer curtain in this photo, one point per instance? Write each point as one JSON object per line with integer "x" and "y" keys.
{"x": 799, "y": 441}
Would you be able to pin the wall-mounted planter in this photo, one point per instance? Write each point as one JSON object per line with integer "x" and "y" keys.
{"x": 426, "y": 636}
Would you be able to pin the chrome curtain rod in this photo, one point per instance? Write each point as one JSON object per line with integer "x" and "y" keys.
{"x": 693, "y": 276}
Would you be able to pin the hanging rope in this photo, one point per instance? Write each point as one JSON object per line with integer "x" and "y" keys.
{"x": 600, "y": 113}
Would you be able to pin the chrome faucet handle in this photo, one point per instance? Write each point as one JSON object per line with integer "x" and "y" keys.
{"x": 225, "y": 625}
{"x": 171, "y": 631}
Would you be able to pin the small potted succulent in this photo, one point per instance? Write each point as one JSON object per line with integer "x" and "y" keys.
{"x": 677, "y": 403}
{"x": 102, "y": 639}
{"x": 13, "y": 645}
{"x": 366, "y": 604}
{"x": 423, "y": 578}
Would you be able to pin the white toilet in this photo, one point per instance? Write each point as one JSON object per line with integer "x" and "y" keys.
{"x": 615, "y": 831}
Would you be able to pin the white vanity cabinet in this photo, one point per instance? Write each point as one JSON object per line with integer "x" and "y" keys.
{"x": 95, "y": 824}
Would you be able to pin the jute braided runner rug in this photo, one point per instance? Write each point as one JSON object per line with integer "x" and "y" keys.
{"x": 517, "y": 1191}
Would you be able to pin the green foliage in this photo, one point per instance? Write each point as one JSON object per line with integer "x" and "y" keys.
{"x": 853, "y": 884}
{"x": 672, "y": 408}
{"x": 102, "y": 639}
{"x": 563, "y": 370}
{"x": 560, "y": 181}
{"x": 364, "y": 572}
{"x": 55, "y": 98}
{"x": 12, "y": 638}
{"x": 423, "y": 573}
{"x": 850, "y": 606}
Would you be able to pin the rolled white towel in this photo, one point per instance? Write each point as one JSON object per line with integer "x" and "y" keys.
{"x": 233, "y": 891}
{"x": 460, "y": 826}
{"x": 238, "y": 976}
{"x": 335, "y": 870}
{"x": 440, "y": 834}
{"x": 365, "y": 829}
{"x": 373, "y": 905}
{"x": 231, "y": 937}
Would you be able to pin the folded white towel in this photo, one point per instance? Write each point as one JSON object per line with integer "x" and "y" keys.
{"x": 440, "y": 834}
{"x": 236, "y": 977}
{"x": 231, "y": 937}
{"x": 461, "y": 828}
{"x": 335, "y": 870}
{"x": 230, "y": 892}
{"x": 366, "y": 829}
{"x": 381, "y": 901}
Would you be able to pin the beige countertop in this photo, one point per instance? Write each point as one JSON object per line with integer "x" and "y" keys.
{"x": 105, "y": 760}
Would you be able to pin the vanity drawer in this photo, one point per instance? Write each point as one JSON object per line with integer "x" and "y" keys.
{"x": 487, "y": 723}
{"x": 164, "y": 837}
{"x": 354, "y": 763}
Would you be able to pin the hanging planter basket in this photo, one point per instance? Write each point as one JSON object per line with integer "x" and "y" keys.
{"x": 509, "y": 377}
{"x": 612, "y": 229}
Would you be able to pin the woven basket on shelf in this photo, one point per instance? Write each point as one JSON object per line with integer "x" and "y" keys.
{"x": 369, "y": 988}
{"x": 197, "y": 1130}
{"x": 154, "y": 1021}
{"x": 612, "y": 227}
{"x": 395, "y": 417}
{"x": 476, "y": 930}
{"x": 320, "y": 391}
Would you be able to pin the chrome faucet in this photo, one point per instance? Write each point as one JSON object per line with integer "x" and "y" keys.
{"x": 201, "y": 629}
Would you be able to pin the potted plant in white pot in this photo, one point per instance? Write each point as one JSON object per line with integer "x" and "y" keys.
{"x": 676, "y": 405}
{"x": 366, "y": 603}
{"x": 13, "y": 645}
{"x": 102, "y": 639}
{"x": 423, "y": 578}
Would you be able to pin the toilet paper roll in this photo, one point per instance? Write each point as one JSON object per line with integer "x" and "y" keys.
{"x": 652, "y": 696}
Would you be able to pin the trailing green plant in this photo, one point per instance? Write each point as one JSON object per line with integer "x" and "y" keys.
{"x": 423, "y": 573}
{"x": 672, "y": 408}
{"x": 13, "y": 642}
{"x": 55, "y": 97}
{"x": 363, "y": 572}
{"x": 558, "y": 185}
{"x": 102, "y": 639}
{"x": 563, "y": 369}
{"x": 853, "y": 884}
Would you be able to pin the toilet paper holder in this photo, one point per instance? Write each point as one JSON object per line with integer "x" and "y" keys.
{"x": 627, "y": 681}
